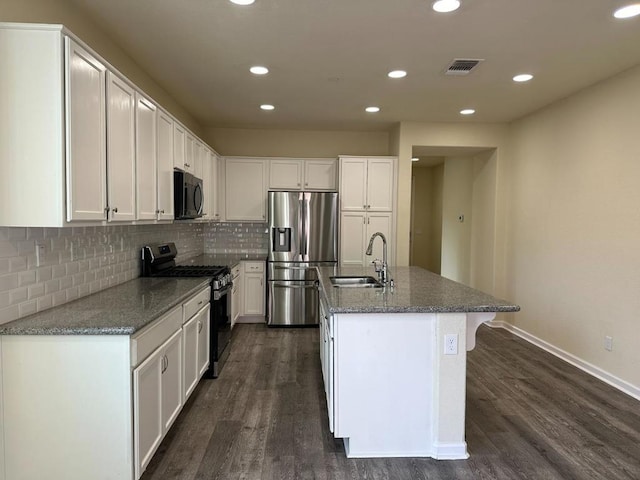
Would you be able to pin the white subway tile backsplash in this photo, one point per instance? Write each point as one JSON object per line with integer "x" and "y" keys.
{"x": 8, "y": 282}
{"x": 36, "y": 290}
{"x": 231, "y": 238}
{"x": 45, "y": 302}
{"x": 27, "y": 277}
{"x": 9, "y": 313}
{"x": 18, "y": 296}
{"x": 78, "y": 261}
{"x": 28, "y": 308}
{"x": 52, "y": 286}
{"x": 17, "y": 264}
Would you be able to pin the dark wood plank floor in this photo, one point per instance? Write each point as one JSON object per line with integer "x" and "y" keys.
{"x": 529, "y": 416}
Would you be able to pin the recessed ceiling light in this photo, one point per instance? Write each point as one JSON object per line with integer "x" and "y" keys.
{"x": 415, "y": 159}
{"x": 628, "y": 11}
{"x": 523, "y": 77}
{"x": 267, "y": 107}
{"x": 445, "y": 6}
{"x": 467, "y": 111}
{"x": 397, "y": 74}
{"x": 257, "y": 70}
{"x": 372, "y": 109}
{"x": 242, "y": 2}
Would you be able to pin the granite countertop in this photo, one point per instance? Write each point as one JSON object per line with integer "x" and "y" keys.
{"x": 416, "y": 290}
{"x": 120, "y": 310}
{"x": 227, "y": 259}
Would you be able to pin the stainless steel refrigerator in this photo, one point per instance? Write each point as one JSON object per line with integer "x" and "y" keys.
{"x": 303, "y": 233}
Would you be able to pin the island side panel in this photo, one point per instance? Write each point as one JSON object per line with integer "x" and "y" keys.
{"x": 384, "y": 375}
{"x": 2, "y": 463}
{"x": 450, "y": 389}
{"x": 67, "y": 407}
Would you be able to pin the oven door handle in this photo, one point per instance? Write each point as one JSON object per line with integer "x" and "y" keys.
{"x": 218, "y": 294}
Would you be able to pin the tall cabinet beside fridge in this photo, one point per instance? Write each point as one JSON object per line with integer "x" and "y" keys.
{"x": 303, "y": 233}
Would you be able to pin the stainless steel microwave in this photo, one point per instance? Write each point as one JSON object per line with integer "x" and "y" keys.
{"x": 188, "y": 195}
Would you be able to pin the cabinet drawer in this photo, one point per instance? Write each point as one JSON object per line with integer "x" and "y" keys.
{"x": 146, "y": 341}
{"x": 191, "y": 307}
{"x": 253, "y": 267}
{"x": 235, "y": 271}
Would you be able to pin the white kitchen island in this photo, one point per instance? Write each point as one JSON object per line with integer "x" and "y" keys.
{"x": 392, "y": 391}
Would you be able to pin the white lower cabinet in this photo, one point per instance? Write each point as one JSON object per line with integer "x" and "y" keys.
{"x": 254, "y": 289}
{"x": 196, "y": 349}
{"x": 326, "y": 360}
{"x": 109, "y": 400}
{"x": 236, "y": 293}
{"x": 157, "y": 398}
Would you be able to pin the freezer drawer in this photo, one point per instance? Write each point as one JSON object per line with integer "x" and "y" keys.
{"x": 293, "y": 302}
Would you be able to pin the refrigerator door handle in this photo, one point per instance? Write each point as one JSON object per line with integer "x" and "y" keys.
{"x": 303, "y": 232}
{"x": 307, "y": 222}
{"x": 296, "y": 285}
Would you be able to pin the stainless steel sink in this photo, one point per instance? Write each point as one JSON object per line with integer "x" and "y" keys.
{"x": 355, "y": 282}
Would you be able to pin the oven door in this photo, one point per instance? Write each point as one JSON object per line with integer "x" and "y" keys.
{"x": 220, "y": 329}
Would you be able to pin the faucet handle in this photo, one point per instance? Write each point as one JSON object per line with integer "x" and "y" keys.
{"x": 377, "y": 265}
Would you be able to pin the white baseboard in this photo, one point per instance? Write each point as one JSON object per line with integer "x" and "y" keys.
{"x": 587, "y": 367}
{"x": 250, "y": 319}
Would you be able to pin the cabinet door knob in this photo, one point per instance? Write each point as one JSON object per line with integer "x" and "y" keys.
{"x": 115, "y": 209}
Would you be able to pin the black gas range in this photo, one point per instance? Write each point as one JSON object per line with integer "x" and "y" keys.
{"x": 158, "y": 260}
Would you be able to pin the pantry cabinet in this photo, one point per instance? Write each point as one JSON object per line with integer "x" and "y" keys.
{"x": 356, "y": 230}
{"x": 367, "y": 184}
{"x": 367, "y": 190}
{"x": 121, "y": 149}
{"x": 210, "y": 185}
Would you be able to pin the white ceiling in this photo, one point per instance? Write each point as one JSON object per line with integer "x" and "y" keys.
{"x": 329, "y": 58}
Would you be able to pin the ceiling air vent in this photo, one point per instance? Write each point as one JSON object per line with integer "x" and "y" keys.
{"x": 462, "y": 66}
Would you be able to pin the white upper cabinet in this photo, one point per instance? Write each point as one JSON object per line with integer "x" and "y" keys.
{"x": 245, "y": 189}
{"x": 179, "y": 146}
{"x": 380, "y": 185}
{"x": 353, "y": 184}
{"x": 146, "y": 158}
{"x": 367, "y": 184}
{"x": 210, "y": 184}
{"x": 165, "y": 166}
{"x": 77, "y": 147}
{"x": 320, "y": 174}
{"x": 199, "y": 154}
{"x": 285, "y": 174}
{"x": 189, "y": 152}
{"x": 302, "y": 174}
{"x": 121, "y": 154}
{"x": 86, "y": 134}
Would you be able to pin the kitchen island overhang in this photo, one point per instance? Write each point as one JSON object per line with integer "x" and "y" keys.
{"x": 393, "y": 391}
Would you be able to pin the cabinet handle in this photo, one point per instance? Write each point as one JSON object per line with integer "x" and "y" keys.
{"x": 199, "y": 327}
{"x": 200, "y": 302}
{"x": 115, "y": 209}
{"x": 298, "y": 183}
{"x": 306, "y": 184}
{"x": 368, "y": 206}
{"x": 368, "y": 220}
{"x": 165, "y": 364}
{"x": 364, "y": 220}
{"x": 364, "y": 206}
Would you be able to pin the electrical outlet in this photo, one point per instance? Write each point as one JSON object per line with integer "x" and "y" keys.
{"x": 451, "y": 344}
{"x": 608, "y": 343}
{"x": 41, "y": 254}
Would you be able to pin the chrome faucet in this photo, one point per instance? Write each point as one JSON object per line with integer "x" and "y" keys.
{"x": 382, "y": 272}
